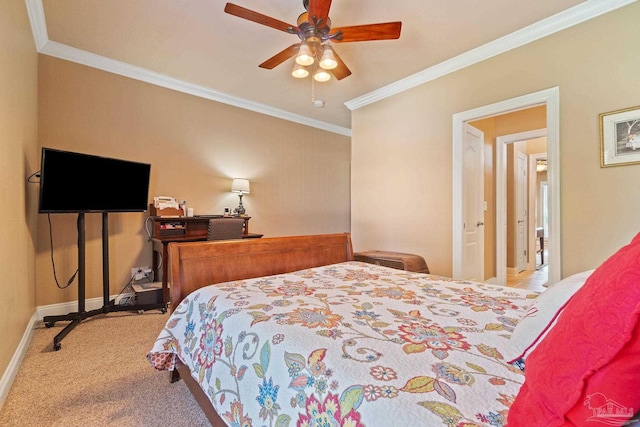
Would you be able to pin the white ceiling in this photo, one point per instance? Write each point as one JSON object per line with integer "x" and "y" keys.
{"x": 195, "y": 47}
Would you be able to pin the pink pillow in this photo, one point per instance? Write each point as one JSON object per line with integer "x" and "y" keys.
{"x": 592, "y": 349}
{"x": 601, "y": 392}
{"x": 541, "y": 316}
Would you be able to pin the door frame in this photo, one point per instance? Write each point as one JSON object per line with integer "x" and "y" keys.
{"x": 549, "y": 97}
{"x": 501, "y": 196}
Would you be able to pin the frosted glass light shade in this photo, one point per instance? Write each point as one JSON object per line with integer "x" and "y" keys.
{"x": 299, "y": 72}
{"x": 321, "y": 75}
{"x": 328, "y": 60}
{"x": 305, "y": 57}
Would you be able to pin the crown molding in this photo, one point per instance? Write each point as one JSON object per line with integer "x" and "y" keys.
{"x": 68, "y": 53}
{"x": 35, "y": 10}
{"x": 558, "y": 22}
{"x": 563, "y": 20}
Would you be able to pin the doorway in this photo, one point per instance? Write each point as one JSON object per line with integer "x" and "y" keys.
{"x": 502, "y": 143}
{"x": 549, "y": 98}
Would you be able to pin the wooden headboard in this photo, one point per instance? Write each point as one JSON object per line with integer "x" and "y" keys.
{"x": 197, "y": 264}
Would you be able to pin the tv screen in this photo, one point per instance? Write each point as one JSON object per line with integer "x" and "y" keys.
{"x": 75, "y": 182}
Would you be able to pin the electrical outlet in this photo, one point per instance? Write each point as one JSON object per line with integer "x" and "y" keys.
{"x": 139, "y": 273}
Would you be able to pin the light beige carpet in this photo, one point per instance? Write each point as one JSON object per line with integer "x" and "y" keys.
{"x": 99, "y": 377}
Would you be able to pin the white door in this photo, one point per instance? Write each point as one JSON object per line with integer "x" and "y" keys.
{"x": 473, "y": 204}
{"x": 521, "y": 212}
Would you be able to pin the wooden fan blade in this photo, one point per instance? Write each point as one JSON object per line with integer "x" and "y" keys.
{"x": 363, "y": 33}
{"x": 341, "y": 71}
{"x": 319, "y": 9}
{"x": 280, "y": 57}
{"x": 259, "y": 18}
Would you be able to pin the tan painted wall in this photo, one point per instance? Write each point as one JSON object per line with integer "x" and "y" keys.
{"x": 299, "y": 175}
{"x": 402, "y": 154}
{"x": 18, "y": 159}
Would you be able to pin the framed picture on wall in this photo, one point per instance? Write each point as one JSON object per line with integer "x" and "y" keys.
{"x": 620, "y": 137}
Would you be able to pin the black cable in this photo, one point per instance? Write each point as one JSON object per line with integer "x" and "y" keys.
{"x": 146, "y": 228}
{"x": 53, "y": 262}
{"x": 33, "y": 175}
{"x": 122, "y": 290}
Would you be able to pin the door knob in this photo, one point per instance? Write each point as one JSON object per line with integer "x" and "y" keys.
{"x": 479, "y": 223}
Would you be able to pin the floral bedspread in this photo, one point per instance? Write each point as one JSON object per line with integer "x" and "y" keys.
{"x": 349, "y": 344}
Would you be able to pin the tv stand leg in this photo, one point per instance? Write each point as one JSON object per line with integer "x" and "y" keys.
{"x": 50, "y": 321}
{"x": 56, "y": 340}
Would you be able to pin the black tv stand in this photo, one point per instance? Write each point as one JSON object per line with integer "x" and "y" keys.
{"x": 108, "y": 306}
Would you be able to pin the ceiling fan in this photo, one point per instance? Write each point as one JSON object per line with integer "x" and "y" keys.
{"x": 316, "y": 36}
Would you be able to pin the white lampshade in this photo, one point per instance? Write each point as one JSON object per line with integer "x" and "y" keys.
{"x": 328, "y": 60}
{"x": 299, "y": 72}
{"x": 240, "y": 185}
{"x": 305, "y": 57}
{"x": 321, "y": 75}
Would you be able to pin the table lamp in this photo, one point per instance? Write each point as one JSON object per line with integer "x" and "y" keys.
{"x": 240, "y": 186}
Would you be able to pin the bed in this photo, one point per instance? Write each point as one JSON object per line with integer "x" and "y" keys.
{"x": 291, "y": 331}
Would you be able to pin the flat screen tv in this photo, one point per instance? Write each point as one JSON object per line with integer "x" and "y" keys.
{"x": 74, "y": 182}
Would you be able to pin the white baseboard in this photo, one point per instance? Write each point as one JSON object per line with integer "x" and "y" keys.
{"x": 14, "y": 365}
{"x": 46, "y": 310}
{"x": 70, "y": 307}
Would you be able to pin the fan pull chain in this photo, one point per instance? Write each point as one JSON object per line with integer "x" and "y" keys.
{"x": 317, "y": 102}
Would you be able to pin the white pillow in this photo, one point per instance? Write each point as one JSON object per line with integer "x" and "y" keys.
{"x": 542, "y": 315}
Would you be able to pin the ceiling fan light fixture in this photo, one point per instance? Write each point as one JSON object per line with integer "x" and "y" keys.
{"x": 328, "y": 60}
{"x": 314, "y": 28}
{"x": 299, "y": 72}
{"x": 305, "y": 56}
{"x": 321, "y": 75}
